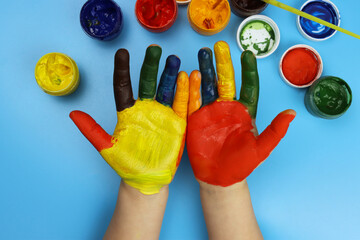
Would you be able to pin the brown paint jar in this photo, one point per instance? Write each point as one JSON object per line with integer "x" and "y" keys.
{"x": 246, "y": 8}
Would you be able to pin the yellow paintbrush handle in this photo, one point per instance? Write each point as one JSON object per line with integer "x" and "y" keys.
{"x": 310, "y": 17}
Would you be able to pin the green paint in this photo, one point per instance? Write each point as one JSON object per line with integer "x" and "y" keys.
{"x": 57, "y": 81}
{"x": 149, "y": 71}
{"x": 257, "y": 36}
{"x": 329, "y": 97}
{"x": 249, "y": 93}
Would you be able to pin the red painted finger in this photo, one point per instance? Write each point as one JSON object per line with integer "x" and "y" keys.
{"x": 91, "y": 130}
{"x": 272, "y": 135}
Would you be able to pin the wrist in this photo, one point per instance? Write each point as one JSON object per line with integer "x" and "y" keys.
{"x": 138, "y": 195}
{"x": 219, "y": 190}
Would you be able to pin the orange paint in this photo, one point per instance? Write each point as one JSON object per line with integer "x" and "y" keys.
{"x": 194, "y": 91}
{"x": 221, "y": 144}
{"x": 209, "y": 16}
{"x": 300, "y": 66}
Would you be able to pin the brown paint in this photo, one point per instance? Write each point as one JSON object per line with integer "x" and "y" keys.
{"x": 246, "y": 8}
{"x": 122, "y": 83}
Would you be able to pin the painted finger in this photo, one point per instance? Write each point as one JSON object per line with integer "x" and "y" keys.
{"x": 165, "y": 92}
{"x": 91, "y": 130}
{"x": 249, "y": 93}
{"x": 194, "y": 92}
{"x": 149, "y": 71}
{"x": 180, "y": 105}
{"x": 272, "y": 135}
{"x": 122, "y": 83}
{"x": 208, "y": 79}
{"x": 225, "y": 71}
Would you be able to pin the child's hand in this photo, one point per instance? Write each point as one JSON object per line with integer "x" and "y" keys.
{"x": 146, "y": 146}
{"x": 222, "y": 140}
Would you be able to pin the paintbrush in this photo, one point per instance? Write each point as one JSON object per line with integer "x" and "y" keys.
{"x": 310, "y": 17}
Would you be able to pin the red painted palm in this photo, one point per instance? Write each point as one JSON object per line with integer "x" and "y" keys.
{"x": 222, "y": 140}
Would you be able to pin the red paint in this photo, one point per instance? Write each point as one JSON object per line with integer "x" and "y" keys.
{"x": 300, "y": 66}
{"x": 156, "y": 15}
{"x": 221, "y": 146}
{"x": 91, "y": 130}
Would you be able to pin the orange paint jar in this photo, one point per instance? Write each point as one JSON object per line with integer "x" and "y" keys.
{"x": 208, "y": 17}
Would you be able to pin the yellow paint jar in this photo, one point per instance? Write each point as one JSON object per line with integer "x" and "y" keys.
{"x": 208, "y": 17}
{"x": 57, "y": 74}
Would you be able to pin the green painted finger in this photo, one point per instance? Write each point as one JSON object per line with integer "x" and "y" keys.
{"x": 149, "y": 71}
{"x": 249, "y": 93}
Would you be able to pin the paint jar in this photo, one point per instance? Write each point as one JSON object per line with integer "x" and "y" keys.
{"x": 300, "y": 66}
{"x": 247, "y": 8}
{"x": 259, "y": 34}
{"x": 323, "y": 9}
{"x": 57, "y": 74}
{"x": 101, "y": 19}
{"x": 208, "y": 17}
{"x": 156, "y": 16}
{"x": 329, "y": 97}
{"x": 183, "y": 2}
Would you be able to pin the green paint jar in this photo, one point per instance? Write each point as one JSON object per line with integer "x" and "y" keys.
{"x": 259, "y": 34}
{"x": 328, "y": 97}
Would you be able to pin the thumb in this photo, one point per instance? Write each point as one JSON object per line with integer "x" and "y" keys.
{"x": 91, "y": 130}
{"x": 272, "y": 135}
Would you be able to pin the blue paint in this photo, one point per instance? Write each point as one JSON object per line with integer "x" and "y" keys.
{"x": 101, "y": 19}
{"x": 165, "y": 93}
{"x": 209, "y": 91}
{"x": 324, "y": 11}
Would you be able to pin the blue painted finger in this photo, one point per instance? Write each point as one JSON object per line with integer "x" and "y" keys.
{"x": 165, "y": 92}
{"x": 209, "y": 90}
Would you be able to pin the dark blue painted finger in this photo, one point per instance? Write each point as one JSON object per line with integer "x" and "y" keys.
{"x": 209, "y": 90}
{"x": 165, "y": 92}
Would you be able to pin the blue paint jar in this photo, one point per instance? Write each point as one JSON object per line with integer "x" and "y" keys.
{"x": 323, "y": 9}
{"x": 101, "y": 19}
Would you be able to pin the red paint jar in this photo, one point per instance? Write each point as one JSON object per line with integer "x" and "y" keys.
{"x": 156, "y": 15}
{"x": 300, "y": 66}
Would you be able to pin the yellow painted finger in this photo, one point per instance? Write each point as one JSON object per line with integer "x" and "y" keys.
{"x": 225, "y": 71}
{"x": 180, "y": 104}
{"x": 194, "y": 97}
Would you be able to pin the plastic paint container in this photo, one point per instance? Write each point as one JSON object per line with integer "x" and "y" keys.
{"x": 101, "y": 19}
{"x": 156, "y": 16}
{"x": 324, "y": 10}
{"x": 208, "y": 17}
{"x": 183, "y": 2}
{"x": 247, "y": 8}
{"x": 57, "y": 74}
{"x": 259, "y": 34}
{"x": 329, "y": 97}
{"x": 300, "y": 66}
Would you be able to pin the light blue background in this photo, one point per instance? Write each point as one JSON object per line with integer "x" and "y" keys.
{"x": 54, "y": 185}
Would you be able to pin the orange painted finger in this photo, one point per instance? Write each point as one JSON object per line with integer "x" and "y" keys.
{"x": 272, "y": 135}
{"x": 194, "y": 92}
{"x": 225, "y": 71}
{"x": 91, "y": 130}
{"x": 180, "y": 104}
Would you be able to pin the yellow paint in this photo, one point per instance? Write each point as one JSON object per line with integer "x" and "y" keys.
{"x": 310, "y": 17}
{"x": 57, "y": 74}
{"x": 180, "y": 105}
{"x": 194, "y": 92}
{"x": 147, "y": 141}
{"x": 225, "y": 71}
{"x": 209, "y": 16}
